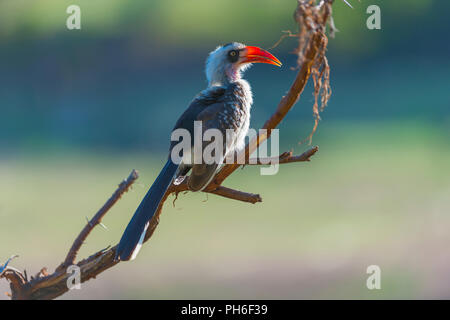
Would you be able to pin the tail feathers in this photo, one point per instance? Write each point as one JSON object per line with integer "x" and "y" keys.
{"x": 134, "y": 234}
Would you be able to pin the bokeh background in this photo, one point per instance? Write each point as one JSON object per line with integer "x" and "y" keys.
{"x": 79, "y": 109}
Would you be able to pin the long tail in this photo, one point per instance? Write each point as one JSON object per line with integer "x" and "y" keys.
{"x": 132, "y": 238}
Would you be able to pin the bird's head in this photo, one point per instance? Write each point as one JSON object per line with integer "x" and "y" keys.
{"x": 227, "y": 62}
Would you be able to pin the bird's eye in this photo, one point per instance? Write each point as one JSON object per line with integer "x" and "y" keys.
{"x": 233, "y": 55}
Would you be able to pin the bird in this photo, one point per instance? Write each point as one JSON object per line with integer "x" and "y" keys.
{"x": 224, "y": 106}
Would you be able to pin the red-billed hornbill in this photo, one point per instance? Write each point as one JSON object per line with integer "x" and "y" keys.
{"x": 225, "y": 104}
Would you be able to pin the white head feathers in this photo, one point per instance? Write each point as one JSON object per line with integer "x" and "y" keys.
{"x": 224, "y": 64}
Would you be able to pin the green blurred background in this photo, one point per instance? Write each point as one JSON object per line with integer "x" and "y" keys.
{"x": 79, "y": 109}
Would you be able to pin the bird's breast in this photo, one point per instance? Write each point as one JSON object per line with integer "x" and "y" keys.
{"x": 236, "y": 114}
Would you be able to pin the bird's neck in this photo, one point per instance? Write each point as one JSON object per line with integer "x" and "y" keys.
{"x": 238, "y": 91}
{"x": 224, "y": 77}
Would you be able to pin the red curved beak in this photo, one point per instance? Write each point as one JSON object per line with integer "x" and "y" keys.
{"x": 258, "y": 55}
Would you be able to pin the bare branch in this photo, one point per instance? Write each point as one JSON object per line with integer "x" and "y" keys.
{"x": 237, "y": 195}
{"x": 122, "y": 188}
{"x": 16, "y": 282}
{"x": 286, "y": 157}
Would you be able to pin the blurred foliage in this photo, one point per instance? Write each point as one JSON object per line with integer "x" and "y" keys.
{"x": 137, "y": 60}
{"x": 197, "y": 22}
{"x": 374, "y": 194}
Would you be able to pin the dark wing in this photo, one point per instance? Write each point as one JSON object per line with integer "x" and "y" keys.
{"x": 203, "y": 173}
{"x": 201, "y": 103}
{"x": 203, "y": 108}
{"x": 227, "y": 118}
